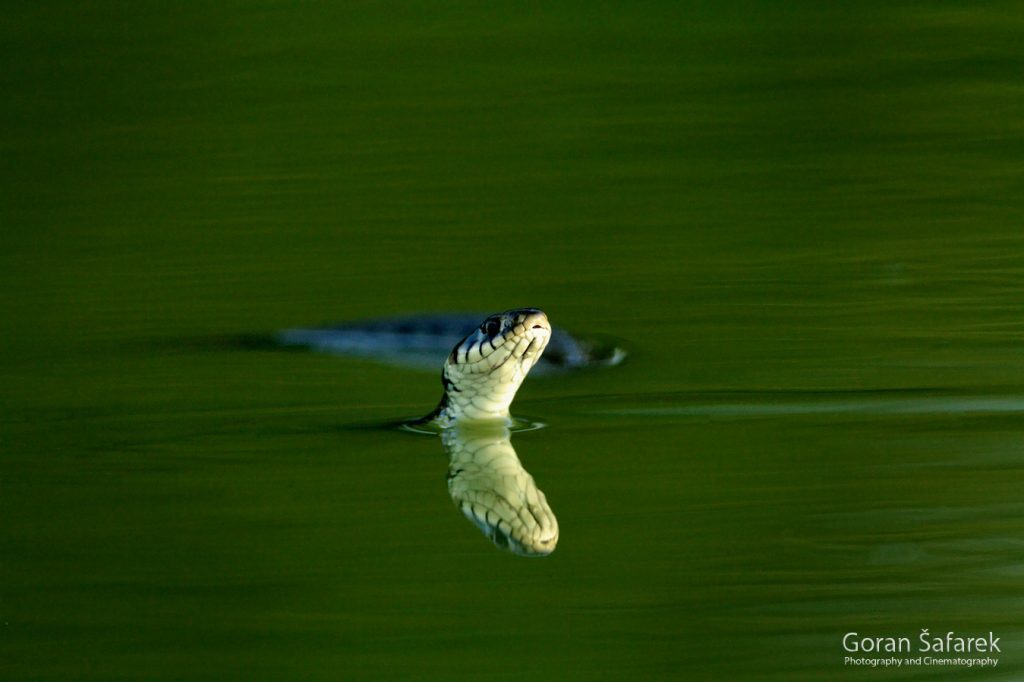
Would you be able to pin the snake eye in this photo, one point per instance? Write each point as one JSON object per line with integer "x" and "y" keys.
{"x": 491, "y": 327}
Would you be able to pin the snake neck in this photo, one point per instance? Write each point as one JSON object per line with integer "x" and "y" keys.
{"x": 477, "y": 400}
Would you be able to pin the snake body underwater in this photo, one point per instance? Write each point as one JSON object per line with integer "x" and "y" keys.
{"x": 421, "y": 341}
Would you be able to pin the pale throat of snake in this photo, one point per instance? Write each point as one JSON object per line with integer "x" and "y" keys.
{"x": 485, "y": 369}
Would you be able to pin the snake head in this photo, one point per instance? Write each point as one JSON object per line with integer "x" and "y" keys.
{"x": 485, "y": 369}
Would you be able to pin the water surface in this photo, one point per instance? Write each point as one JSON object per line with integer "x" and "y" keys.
{"x": 804, "y": 222}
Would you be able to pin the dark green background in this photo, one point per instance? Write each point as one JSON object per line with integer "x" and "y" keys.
{"x": 773, "y": 205}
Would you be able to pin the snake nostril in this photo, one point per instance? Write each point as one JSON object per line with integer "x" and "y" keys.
{"x": 538, "y": 326}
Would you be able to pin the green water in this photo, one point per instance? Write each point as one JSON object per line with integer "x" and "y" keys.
{"x": 803, "y": 221}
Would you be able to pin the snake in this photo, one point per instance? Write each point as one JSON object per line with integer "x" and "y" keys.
{"x": 484, "y": 370}
{"x": 486, "y": 479}
{"x": 480, "y": 378}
